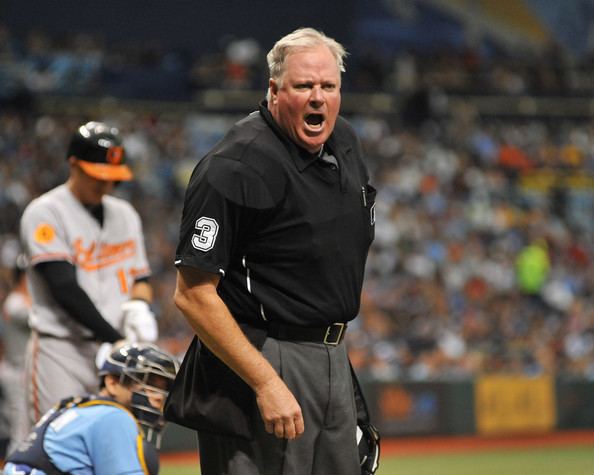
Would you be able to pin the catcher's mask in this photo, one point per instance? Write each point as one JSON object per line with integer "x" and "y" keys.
{"x": 151, "y": 372}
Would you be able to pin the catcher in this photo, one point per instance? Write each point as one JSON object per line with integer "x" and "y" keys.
{"x": 109, "y": 433}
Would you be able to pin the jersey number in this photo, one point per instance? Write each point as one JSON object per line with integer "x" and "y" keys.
{"x": 121, "y": 273}
{"x": 205, "y": 238}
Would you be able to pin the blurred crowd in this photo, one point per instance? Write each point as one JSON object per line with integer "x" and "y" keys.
{"x": 85, "y": 64}
{"x": 483, "y": 259}
{"x": 483, "y": 253}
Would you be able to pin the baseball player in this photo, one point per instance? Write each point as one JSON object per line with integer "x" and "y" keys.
{"x": 88, "y": 273}
{"x": 106, "y": 434}
{"x": 15, "y": 312}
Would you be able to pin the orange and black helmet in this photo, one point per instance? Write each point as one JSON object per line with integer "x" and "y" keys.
{"x": 98, "y": 150}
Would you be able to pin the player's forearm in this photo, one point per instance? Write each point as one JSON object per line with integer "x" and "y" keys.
{"x": 217, "y": 329}
{"x": 79, "y": 306}
{"x": 61, "y": 281}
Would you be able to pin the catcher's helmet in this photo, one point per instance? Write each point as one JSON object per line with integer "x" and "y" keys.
{"x": 153, "y": 370}
{"x": 99, "y": 152}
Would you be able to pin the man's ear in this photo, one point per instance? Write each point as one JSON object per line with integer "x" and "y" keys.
{"x": 273, "y": 87}
{"x": 110, "y": 382}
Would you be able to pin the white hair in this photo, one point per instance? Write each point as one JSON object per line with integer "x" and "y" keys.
{"x": 302, "y": 38}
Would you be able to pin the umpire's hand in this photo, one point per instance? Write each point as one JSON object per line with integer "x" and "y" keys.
{"x": 279, "y": 409}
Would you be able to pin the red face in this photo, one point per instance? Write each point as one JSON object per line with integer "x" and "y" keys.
{"x": 306, "y": 100}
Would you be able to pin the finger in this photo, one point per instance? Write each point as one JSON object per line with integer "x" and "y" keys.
{"x": 299, "y": 426}
{"x": 269, "y": 426}
{"x": 290, "y": 430}
{"x": 279, "y": 430}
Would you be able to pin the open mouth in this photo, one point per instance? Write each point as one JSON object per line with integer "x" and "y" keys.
{"x": 314, "y": 121}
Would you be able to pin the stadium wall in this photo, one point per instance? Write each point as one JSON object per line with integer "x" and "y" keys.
{"x": 497, "y": 405}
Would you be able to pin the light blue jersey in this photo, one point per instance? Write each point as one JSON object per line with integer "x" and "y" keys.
{"x": 97, "y": 437}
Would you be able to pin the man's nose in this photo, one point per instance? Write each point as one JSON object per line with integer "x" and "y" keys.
{"x": 317, "y": 95}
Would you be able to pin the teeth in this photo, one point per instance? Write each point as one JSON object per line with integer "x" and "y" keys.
{"x": 313, "y": 126}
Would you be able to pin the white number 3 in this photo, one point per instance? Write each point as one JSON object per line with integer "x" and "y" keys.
{"x": 205, "y": 238}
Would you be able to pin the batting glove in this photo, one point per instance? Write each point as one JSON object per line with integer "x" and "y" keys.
{"x": 139, "y": 321}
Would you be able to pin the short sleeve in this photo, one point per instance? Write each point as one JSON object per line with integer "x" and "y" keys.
{"x": 117, "y": 445}
{"x": 221, "y": 194}
{"x": 43, "y": 235}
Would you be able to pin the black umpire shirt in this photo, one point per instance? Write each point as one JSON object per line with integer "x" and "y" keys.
{"x": 288, "y": 232}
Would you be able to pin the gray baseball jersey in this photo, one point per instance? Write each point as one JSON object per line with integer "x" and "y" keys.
{"x": 108, "y": 257}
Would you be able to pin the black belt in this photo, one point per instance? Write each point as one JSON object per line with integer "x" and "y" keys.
{"x": 330, "y": 335}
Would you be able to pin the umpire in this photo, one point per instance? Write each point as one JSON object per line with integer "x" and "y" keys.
{"x": 277, "y": 222}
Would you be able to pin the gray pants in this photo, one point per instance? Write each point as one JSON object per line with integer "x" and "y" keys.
{"x": 57, "y": 368}
{"x": 319, "y": 377}
{"x": 13, "y": 385}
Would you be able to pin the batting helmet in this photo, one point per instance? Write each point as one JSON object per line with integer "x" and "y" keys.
{"x": 144, "y": 364}
{"x": 99, "y": 152}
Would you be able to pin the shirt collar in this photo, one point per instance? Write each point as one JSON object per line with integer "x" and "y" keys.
{"x": 301, "y": 157}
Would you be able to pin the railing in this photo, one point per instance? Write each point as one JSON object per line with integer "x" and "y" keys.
{"x": 225, "y": 101}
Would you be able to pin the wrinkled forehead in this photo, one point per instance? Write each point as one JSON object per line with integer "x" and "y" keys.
{"x": 311, "y": 61}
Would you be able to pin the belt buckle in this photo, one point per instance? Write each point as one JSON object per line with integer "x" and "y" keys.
{"x": 337, "y": 340}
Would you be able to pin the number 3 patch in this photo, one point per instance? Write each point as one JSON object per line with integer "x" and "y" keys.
{"x": 206, "y": 236}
